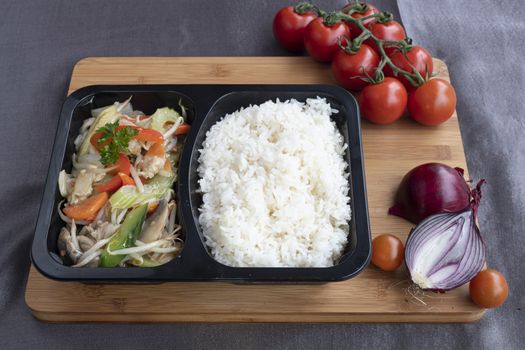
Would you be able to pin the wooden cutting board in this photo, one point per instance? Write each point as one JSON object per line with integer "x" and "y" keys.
{"x": 373, "y": 296}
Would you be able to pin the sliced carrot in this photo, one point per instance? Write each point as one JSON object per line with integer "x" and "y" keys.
{"x": 167, "y": 166}
{"x": 156, "y": 150}
{"x": 88, "y": 208}
{"x": 183, "y": 129}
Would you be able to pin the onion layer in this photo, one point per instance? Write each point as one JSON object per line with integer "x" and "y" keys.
{"x": 446, "y": 250}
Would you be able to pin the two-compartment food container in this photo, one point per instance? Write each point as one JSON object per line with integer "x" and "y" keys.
{"x": 206, "y": 104}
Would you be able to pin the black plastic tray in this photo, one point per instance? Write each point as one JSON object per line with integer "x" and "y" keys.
{"x": 207, "y": 104}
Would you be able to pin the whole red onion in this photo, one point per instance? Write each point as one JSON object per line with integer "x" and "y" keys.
{"x": 429, "y": 189}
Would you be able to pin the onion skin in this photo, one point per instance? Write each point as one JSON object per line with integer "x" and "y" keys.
{"x": 430, "y": 189}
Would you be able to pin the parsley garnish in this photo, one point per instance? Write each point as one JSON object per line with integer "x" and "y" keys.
{"x": 119, "y": 140}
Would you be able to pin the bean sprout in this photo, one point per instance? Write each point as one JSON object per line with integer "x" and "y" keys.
{"x": 94, "y": 248}
{"x": 120, "y": 217}
{"x": 138, "y": 249}
{"x": 87, "y": 123}
{"x": 165, "y": 249}
{"x": 73, "y": 232}
{"x": 138, "y": 160}
{"x": 123, "y": 105}
{"x": 88, "y": 259}
{"x": 101, "y": 213}
{"x": 114, "y": 216}
{"x": 136, "y": 178}
{"x": 173, "y": 128}
{"x": 171, "y": 219}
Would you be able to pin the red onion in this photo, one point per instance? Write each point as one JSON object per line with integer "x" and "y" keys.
{"x": 446, "y": 250}
{"x": 430, "y": 189}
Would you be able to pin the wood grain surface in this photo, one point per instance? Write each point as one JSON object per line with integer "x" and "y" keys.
{"x": 373, "y": 296}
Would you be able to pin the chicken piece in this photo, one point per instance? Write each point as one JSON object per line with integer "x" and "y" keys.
{"x": 85, "y": 243}
{"x": 154, "y": 225}
{"x": 150, "y": 166}
{"x": 134, "y": 147}
{"x": 83, "y": 186}
{"x": 66, "y": 246}
{"x": 153, "y": 161}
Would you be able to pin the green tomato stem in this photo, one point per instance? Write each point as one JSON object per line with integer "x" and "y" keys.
{"x": 414, "y": 78}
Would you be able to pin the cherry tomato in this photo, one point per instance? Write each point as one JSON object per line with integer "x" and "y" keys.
{"x": 320, "y": 40}
{"x": 288, "y": 27}
{"x": 432, "y": 103}
{"x": 384, "y": 102}
{"x": 370, "y": 10}
{"x": 390, "y": 30}
{"x": 387, "y": 252}
{"x": 489, "y": 289}
{"x": 418, "y": 57}
{"x": 347, "y": 67}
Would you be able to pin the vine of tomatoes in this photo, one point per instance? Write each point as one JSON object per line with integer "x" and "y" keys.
{"x": 370, "y": 55}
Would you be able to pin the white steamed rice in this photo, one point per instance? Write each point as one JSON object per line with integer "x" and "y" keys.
{"x": 275, "y": 188}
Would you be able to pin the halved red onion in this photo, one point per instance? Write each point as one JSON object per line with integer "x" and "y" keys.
{"x": 446, "y": 250}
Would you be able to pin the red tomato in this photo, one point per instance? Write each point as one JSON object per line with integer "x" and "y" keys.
{"x": 122, "y": 164}
{"x": 94, "y": 141}
{"x": 109, "y": 186}
{"x": 149, "y": 135}
{"x": 489, "y": 289}
{"x": 387, "y": 252}
{"x": 432, "y": 103}
{"x": 142, "y": 135}
{"x": 320, "y": 40}
{"x": 288, "y": 27}
{"x": 384, "y": 102}
{"x": 418, "y": 56}
{"x": 390, "y": 30}
{"x": 183, "y": 129}
{"x": 347, "y": 67}
{"x": 370, "y": 10}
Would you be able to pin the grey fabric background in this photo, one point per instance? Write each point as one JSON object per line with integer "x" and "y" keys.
{"x": 40, "y": 41}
